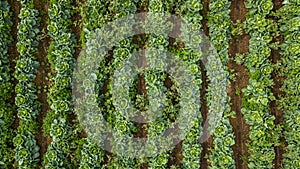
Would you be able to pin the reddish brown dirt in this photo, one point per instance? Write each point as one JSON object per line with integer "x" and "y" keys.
{"x": 204, "y": 110}
{"x": 12, "y": 51}
{"x": 76, "y": 27}
{"x": 141, "y": 88}
{"x": 279, "y": 150}
{"x": 278, "y": 81}
{"x": 176, "y": 153}
{"x": 13, "y": 54}
{"x": 238, "y": 45}
{"x": 175, "y": 156}
{"x": 41, "y": 78}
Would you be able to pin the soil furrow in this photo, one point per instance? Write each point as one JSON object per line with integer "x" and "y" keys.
{"x": 42, "y": 81}
{"x": 13, "y": 56}
{"x": 76, "y": 29}
{"x": 12, "y": 51}
{"x": 278, "y": 82}
{"x": 204, "y": 109}
{"x": 238, "y": 45}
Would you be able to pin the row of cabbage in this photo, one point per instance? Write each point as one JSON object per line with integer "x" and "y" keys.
{"x": 263, "y": 133}
{"x": 219, "y": 24}
{"x": 26, "y": 148}
{"x": 289, "y": 26}
{"x": 96, "y": 15}
{"x": 6, "y": 88}
{"x": 191, "y": 55}
{"x": 121, "y": 51}
{"x": 155, "y": 78}
{"x": 60, "y": 55}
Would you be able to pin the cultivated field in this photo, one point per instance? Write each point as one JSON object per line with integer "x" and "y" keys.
{"x": 240, "y": 98}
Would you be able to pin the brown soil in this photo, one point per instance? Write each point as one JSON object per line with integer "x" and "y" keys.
{"x": 278, "y": 81}
{"x": 76, "y": 29}
{"x": 176, "y": 153}
{"x": 204, "y": 110}
{"x": 279, "y": 150}
{"x": 141, "y": 87}
{"x": 12, "y": 51}
{"x": 41, "y": 78}
{"x": 238, "y": 45}
{"x": 13, "y": 56}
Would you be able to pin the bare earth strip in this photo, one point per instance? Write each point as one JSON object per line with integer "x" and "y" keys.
{"x": 275, "y": 57}
{"x": 204, "y": 110}
{"x": 12, "y": 51}
{"x": 41, "y": 81}
{"x": 240, "y": 45}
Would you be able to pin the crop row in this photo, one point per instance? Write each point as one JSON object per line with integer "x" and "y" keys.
{"x": 96, "y": 16}
{"x": 257, "y": 95}
{"x": 60, "y": 56}
{"x": 219, "y": 25}
{"x": 289, "y": 25}
{"x": 191, "y": 148}
{"x": 26, "y": 148}
{"x": 121, "y": 124}
{"x": 6, "y": 109}
{"x": 155, "y": 78}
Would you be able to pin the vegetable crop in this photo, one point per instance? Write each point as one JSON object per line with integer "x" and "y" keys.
{"x": 156, "y": 84}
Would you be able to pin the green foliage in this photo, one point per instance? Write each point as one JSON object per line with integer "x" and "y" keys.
{"x": 50, "y": 117}
{"x": 6, "y": 134}
{"x": 60, "y": 145}
{"x": 257, "y": 95}
{"x": 264, "y": 133}
{"x": 289, "y": 27}
{"x": 5, "y": 36}
{"x": 60, "y": 56}
{"x": 6, "y": 111}
{"x": 27, "y": 151}
{"x": 96, "y": 14}
{"x": 238, "y": 28}
{"x": 92, "y": 155}
{"x": 189, "y": 11}
{"x": 26, "y": 148}
{"x": 155, "y": 78}
{"x": 220, "y": 25}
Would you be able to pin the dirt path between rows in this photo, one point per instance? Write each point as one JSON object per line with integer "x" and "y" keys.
{"x": 278, "y": 81}
{"x": 76, "y": 29}
{"x": 12, "y": 51}
{"x": 41, "y": 81}
{"x": 13, "y": 56}
{"x": 238, "y": 44}
{"x": 204, "y": 109}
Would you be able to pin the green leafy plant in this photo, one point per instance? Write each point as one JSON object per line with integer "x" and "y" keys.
{"x": 60, "y": 56}
{"x": 289, "y": 68}
{"x": 6, "y": 109}
{"x": 257, "y": 95}
{"x": 220, "y": 28}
